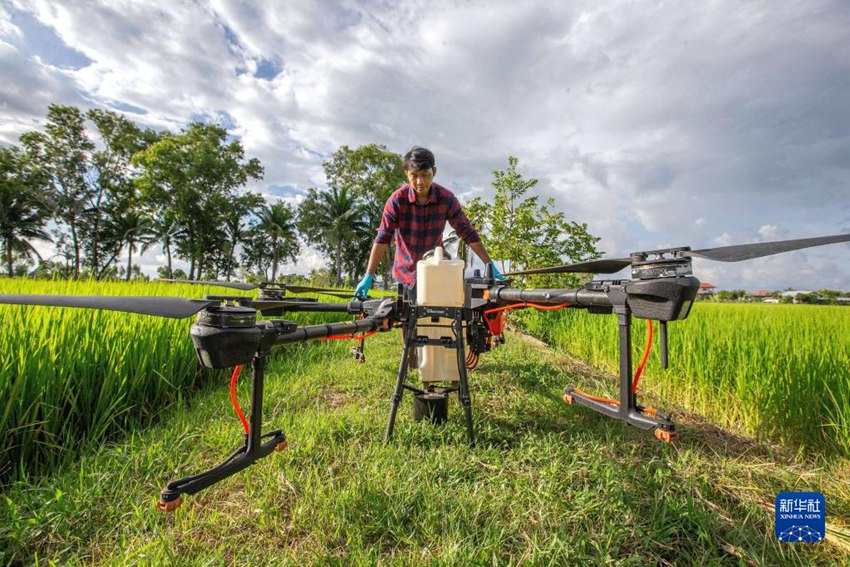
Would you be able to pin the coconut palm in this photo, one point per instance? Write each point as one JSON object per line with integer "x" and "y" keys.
{"x": 133, "y": 229}
{"x": 22, "y": 214}
{"x": 277, "y": 223}
{"x": 336, "y": 223}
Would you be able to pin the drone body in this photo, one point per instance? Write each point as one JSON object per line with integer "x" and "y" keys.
{"x": 228, "y": 334}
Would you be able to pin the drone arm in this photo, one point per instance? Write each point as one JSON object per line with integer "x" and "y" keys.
{"x": 381, "y": 319}
{"x": 575, "y": 297}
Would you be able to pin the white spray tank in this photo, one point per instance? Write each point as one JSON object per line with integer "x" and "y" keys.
{"x": 439, "y": 283}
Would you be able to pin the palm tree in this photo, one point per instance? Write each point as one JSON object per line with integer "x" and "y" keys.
{"x": 334, "y": 220}
{"x": 277, "y": 223}
{"x": 22, "y": 214}
{"x": 133, "y": 229}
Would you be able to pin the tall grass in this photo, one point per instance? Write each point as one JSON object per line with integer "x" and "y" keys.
{"x": 71, "y": 377}
{"x": 779, "y": 372}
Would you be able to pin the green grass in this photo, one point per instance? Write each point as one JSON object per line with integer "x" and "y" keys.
{"x": 69, "y": 376}
{"x": 546, "y": 484}
{"x": 777, "y": 372}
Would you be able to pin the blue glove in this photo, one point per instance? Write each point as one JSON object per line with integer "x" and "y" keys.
{"x": 364, "y": 286}
{"x": 496, "y": 273}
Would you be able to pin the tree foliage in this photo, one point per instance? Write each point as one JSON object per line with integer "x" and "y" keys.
{"x": 272, "y": 240}
{"x": 23, "y": 211}
{"x": 520, "y": 233}
{"x": 370, "y": 173}
{"x": 193, "y": 176}
{"x": 334, "y": 221}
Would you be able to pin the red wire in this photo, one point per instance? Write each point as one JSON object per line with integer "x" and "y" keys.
{"x": 645, "y": 355}
{"x": 343, "y": 337}
{"x": 235, "y": 401}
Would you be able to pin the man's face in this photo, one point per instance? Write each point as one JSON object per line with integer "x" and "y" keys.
{"x": 421, "y": 181}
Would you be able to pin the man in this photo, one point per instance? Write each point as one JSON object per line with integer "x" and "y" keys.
{"x": 417, "y": 214}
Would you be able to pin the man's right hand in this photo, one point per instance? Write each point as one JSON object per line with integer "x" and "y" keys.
{"x": 364, "y": 286}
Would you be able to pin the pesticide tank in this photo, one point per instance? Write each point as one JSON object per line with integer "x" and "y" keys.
{"x": 439, "y": 283}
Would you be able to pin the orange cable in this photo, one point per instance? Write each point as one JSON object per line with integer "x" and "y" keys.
{"x": 235, "y": 401}
{"x": 645, "y": 355}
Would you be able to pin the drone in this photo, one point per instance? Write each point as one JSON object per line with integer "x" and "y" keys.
{"x": 462, "y": 325}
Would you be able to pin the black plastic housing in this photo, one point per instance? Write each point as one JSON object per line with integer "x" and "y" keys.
{"x": 663, "y": 299}
{"x": 218, "y": 347}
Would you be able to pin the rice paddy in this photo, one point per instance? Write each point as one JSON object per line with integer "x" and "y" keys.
{"x": 70, "y": 377}
{"x": 776, "y": 372}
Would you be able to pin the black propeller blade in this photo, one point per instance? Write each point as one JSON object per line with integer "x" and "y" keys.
{"x": 602, "y": 266}
{"x": 248, "y": 287}
{"x": 734, "y": 253}
{"x": 309, "y": 289}
{"x": 173, "y": 307}
{"x": 232, "y": 285}
{"x": 740, "y": 252}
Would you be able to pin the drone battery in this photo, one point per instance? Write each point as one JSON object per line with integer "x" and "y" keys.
{"x": 431, "y": 405}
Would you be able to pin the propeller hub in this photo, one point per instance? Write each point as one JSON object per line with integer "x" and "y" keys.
{"x": 661, "y": 267}
{"x": 228, "y": 317}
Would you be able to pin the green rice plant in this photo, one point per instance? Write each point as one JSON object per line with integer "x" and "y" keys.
{"x": 780, "y": 372}
{"x": 70, "y": 377}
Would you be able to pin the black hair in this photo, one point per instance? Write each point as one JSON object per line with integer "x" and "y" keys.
{"x": 419, "y": 159}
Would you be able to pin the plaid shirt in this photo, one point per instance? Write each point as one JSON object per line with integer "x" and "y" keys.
{"x": 419, "y": 228}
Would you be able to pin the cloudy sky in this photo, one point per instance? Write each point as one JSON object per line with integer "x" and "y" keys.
{"x": 656, "y": 123}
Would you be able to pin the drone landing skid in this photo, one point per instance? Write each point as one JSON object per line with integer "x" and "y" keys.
{"x": 256, "y": 445}
{"x": 627, "y": 408}
{"x": 411, "y": 341}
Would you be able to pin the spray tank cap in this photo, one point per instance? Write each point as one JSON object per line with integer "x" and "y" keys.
{"x": 488, "y": 272}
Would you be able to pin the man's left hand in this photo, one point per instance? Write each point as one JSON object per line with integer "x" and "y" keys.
{"x": 496, "y": 273}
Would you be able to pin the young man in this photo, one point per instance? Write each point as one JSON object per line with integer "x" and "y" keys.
{"x": 417, "y": 214}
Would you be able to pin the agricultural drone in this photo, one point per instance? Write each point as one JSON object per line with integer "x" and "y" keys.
{"x": 449, "y": 315}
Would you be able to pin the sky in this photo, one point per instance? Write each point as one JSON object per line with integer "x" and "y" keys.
{"x": 656, "y": 123}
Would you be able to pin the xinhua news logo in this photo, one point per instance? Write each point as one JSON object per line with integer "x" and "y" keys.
{"x": 800, "y": 517}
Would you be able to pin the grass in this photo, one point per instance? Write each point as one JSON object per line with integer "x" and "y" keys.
{"x": 776, "y": 372}
{"x": 546, "y": 484}
{"x": 69, "y": 376}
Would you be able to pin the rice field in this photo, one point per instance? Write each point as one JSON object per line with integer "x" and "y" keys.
{"x": 71, "y": 378}
{"x": 776, "y": 372}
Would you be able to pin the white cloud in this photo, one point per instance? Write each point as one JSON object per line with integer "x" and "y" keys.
{"x": 636, "y": 117}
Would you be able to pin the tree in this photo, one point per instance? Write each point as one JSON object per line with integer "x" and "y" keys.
{"x": 112, "y": 191}
{"x": 371, "y": 173}
{"x": 132, "y": 229}
{"x": 274, "y": 235}
{"x": 195, "y": 175}
{"x": 23, "y": 213}
{"x": 335, "y": 222}
{"x": 62, "y": 155}
{"x": 519, "y": 231}
{"x": 236, "y": 230}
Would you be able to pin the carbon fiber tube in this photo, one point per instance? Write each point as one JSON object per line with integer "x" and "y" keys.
{"x": 303, "y": 334}
{"x": 576, "y": 297}
{"x": 321, "y": 307}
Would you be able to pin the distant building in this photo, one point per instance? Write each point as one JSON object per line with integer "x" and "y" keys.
{"x": 706, "y": 290}
{"x": 762, "y": 295}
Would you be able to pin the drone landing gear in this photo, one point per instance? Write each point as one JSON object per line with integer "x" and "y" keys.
{"x": 256, "y": 445}
{"x": 411, "y": 341}
{"x": 626, "y": 408}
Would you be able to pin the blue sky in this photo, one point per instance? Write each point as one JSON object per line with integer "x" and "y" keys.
{"x": 656, "y": 123}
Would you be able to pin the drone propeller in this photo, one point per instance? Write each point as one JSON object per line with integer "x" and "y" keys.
{"x": 232, "y": 285}
{"x": 248, "y": 287}
{"x": 734, "y": 253}
{"x": 173, "y": 307}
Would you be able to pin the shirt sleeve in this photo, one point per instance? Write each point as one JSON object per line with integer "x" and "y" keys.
{"x": 458, "y": 220}
{"x": 389, "y": 222}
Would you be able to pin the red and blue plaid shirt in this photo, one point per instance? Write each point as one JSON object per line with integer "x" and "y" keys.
{"x": 419, "y": 228}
